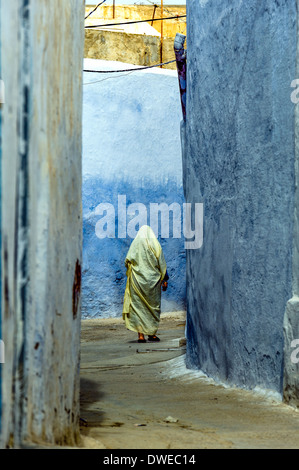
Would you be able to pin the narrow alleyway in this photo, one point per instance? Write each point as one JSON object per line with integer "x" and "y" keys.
{"x": 140, "y": 396}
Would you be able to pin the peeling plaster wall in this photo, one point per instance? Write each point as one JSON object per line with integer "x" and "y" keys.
{"x": 41, "y": 219}
{"x": 239, "y": 161}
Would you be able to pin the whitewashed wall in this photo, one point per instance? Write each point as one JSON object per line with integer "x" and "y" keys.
{"x": 41, "y": 58}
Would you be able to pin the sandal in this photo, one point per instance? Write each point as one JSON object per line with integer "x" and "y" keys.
{"x": 153, "y": 338}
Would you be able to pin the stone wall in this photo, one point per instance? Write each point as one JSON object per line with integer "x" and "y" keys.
{"x": 41, "y": 219}
{"x": 239, "y": 161}
{"x": 137, "y": 49}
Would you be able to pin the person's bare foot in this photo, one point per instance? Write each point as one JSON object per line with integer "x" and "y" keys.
{"x": 141, "y": 338}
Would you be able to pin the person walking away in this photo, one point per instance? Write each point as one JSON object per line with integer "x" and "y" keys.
{"x": 146, "y": 273}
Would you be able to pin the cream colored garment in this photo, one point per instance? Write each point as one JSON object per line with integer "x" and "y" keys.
{"x": 146, "y": 268}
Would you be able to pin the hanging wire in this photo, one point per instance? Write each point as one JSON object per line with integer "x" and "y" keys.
{"x": 168, "y": 11}
{"x": 107, "y": 78}
{"x": 90, "y": 13}
{"x": 133, "y": 22}
{"x": 131, "y": 70}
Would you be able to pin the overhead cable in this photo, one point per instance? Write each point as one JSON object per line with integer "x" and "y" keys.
{"x": 165, "y": 9}
{"x": 108, "y": 78}
{"x": 91, "y": 12}
{"x": 133, "y": 22}
{"x": 130, "y": 70}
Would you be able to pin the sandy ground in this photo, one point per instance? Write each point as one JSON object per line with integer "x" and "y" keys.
{"x": 141, "y": 396}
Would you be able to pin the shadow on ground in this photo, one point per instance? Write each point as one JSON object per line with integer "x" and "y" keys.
{"x": 91, "y": 398}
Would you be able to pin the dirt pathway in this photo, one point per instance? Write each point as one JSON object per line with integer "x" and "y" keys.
{"x": 142, "y": 397}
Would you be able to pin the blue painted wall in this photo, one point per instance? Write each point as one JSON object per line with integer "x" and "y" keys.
{"x": 239, "y": 161}
{"x": 104, "y": 272}
{"x": 131, "y": 147}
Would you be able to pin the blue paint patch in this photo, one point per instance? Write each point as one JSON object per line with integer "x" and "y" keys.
{"x": 104, "y": 272}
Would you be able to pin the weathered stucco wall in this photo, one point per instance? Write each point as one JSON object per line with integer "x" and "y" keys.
{"x": 131, "y": 148}
{"x": 239, "y": 161}
{"x": 41, "y": 219}
{"x": 137, "y": 49}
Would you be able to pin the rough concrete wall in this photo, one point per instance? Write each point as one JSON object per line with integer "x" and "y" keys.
{"x": 42, "y": 220}
{"x": 291, "y": 319}
{"x": 239, "y": 161}
{"x": 137, "y": 49}
{"x": 131, "y": 148}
